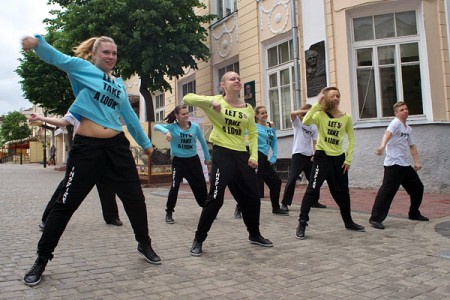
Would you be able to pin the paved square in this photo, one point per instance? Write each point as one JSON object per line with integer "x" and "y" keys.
{"x": 98, "y": 261}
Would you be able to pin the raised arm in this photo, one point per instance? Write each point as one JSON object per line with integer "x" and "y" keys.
{"x": 60, "y": 122}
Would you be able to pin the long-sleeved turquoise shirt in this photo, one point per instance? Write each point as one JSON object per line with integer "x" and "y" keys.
{"x": 184, "y": 142}
{"x": 98, "y": 97}
{"x": 267, "y": 138}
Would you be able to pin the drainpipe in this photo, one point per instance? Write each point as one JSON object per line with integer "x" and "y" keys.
{"x": 296, "y": 54}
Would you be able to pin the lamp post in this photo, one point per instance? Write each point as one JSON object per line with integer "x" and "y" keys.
{"x": 21, "y": 123}
{"x": 45, "y": 142}
{"x": 10, "y": 136}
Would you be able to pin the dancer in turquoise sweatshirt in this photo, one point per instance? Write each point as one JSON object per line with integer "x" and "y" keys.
{"x": 183, "y": 136}
{"x": 101, "y": 152}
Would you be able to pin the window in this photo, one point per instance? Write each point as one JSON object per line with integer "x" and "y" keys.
{"x": 224, "y": 7}
{"x": 280, "y": 74}
{"x": 159, "y": 108}
{"x": 387, "y": 60}
{"x": 186, "y": 89}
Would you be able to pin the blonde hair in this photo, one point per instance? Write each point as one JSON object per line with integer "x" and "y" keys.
{"x": 327, "y": 105}
{"x": 397, "y": 105}
{"x": 85, "y": 49}
{"x": 224, "y": 78}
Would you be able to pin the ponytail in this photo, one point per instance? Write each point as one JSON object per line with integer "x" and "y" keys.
{"x": 171, "y": 117}
{"x": 85, "y": 49}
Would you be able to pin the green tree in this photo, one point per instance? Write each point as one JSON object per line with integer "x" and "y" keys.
{"x": 43, "y": 84}
{"x": 157, "y": 39}
{"x": 14, "y": 127}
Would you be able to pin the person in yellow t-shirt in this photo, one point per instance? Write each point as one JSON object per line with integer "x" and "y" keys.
{"x": 232, "y": 164}
{"x": 330, "y": 162}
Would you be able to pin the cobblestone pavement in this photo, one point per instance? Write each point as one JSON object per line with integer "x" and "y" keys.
{"x": 407, "y": 260}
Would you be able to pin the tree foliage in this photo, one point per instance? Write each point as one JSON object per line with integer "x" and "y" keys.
{"x": 14, "y": 127}
{"x": 157, "y": 39}
{"x": 44, "y": 84}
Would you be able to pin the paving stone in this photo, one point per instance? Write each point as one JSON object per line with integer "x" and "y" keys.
{"x": 96, "y": 261}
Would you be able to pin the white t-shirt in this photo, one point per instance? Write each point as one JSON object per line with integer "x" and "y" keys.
{"x": 397, "y": 149}
{"x": 72, "y": 120}
{"x": 303, "y": 137}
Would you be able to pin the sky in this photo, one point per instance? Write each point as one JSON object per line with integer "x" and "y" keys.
{"x": 18, "y": 18}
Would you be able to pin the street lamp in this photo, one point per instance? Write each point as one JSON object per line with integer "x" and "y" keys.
{"x": 15, "y": 147}
{"x": 21, "y": 123}
{"x": 45, "y": 141}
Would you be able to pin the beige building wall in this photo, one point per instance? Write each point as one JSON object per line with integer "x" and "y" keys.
{"x": 245, "y": 35}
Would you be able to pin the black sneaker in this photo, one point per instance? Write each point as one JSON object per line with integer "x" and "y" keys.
{"x": 300, "y": 231}
{"x": 237, "y": 213}
{"x": 34, "y": 275}
{"x": 279, "y": 211}
{"x": 355, "y": 227}
{"x": 115, "y": 221}
{"x": 41, "y": 226}
{"x": 419, "y": 218}
{"x": 196, "y": 249}
{"x": 260, "y": 240}
{"x": 146, "y": 251}
{"x": 169, "y": 219}
{"x": 377, "y": 225}
{"x": 319, "y": 205}
{"x": 284, "y": 208}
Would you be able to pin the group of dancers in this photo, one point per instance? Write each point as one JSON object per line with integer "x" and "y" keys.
{"x": 241, "y": 138}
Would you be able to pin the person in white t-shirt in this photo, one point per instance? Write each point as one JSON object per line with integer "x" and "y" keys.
{"x": 305, "y": 137}
{"x": 399, "y": 143}
{"x": 107, "y": 197}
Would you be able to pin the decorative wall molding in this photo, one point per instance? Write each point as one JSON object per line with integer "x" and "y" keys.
{"x": 277, "y": 18}
{"x": 224, "y": 41}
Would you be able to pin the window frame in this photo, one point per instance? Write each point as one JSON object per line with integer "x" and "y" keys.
{"x": 231, "y": 63}
{"x": 223, "y": 5}
{"x": 160, "y": 107}
{"x": 189, "y": 80}
{"x": 277, "y": 69}
{"x": 419, "y": 38}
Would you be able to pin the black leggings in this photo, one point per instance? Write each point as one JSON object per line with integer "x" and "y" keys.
{"x": 230, "y": 168}
{"x": 107, "y": 200}
{"x": 106, "y": 161}
{"x": 327, "y": 168}
{"x": 267, "y": 175}
{"x": 191, "y": 169}
{"x": 299, "y": 163}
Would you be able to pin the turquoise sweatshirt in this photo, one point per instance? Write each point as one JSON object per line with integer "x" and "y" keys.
{"x": 267, "y": 138}
{"x": 184, "y": 142}
{"x": 98, "y": 97}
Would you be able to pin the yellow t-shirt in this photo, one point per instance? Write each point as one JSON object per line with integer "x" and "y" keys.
{"x": 229, "y": 125}
{"x": 332, "y": 132}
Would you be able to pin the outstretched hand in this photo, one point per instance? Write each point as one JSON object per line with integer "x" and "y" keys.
{"x": 34, "y": 117}
{"x": 29, "y": 43}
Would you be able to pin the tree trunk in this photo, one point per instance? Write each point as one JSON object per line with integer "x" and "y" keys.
{"x": 150, "y": 111}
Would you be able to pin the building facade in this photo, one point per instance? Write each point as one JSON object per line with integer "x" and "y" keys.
{"x": 377, "y": 52}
